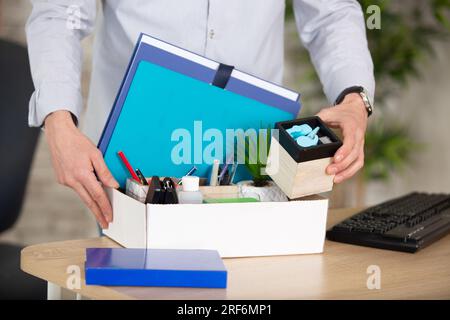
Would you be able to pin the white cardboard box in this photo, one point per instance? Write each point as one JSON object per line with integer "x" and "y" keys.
{"x": 234, "y": 229}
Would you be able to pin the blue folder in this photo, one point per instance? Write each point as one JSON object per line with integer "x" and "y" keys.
{"x": 167, "y": 88}
{"x": 155, "y": 267}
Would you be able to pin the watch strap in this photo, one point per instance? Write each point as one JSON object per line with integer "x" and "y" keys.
{"x": 356, "y": 89}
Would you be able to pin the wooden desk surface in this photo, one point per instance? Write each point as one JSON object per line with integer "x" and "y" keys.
{"x": 338, "y": 273}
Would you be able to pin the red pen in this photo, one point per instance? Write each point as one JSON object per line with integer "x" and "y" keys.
{"x": 128, "y": 165}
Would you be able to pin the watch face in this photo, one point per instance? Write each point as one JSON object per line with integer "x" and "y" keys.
{"x": 362, "y": 92}
{"x": 366, "y": 101}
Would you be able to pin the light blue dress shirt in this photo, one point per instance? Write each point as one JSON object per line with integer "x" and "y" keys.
{"x": 245, "y": 33}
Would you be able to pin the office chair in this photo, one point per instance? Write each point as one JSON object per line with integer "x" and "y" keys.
{"x": 17, "y": 146}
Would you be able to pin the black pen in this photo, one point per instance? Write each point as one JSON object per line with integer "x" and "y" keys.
{"x": 141, "y": 177}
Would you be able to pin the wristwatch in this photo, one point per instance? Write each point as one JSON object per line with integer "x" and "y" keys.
{"x": 362, "y": 92}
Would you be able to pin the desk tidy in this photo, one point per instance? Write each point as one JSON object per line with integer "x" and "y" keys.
{"x": 300, "y": 170}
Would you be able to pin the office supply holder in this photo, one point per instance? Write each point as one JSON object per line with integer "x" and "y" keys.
{"x": 300, "y": 171}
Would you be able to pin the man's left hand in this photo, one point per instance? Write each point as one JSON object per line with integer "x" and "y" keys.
{"x": 351, "y": 117}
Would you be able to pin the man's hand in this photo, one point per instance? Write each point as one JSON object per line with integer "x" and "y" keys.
{"x": 74, "y": 159}
{"x": 351, "y": 117}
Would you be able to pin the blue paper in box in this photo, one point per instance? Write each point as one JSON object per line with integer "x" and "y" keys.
{"x": 155, "y": 267}
{"x": 167, "y": 90}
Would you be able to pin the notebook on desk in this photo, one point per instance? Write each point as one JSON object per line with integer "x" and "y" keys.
{"x": 167, "y": 88}
{"x": 155, "y": 267}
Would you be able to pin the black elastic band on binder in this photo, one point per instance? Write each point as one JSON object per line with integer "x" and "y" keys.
{"x": 222, "y": 75}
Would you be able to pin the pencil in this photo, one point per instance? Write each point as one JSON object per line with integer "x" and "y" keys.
{"x": 128, "y": 165}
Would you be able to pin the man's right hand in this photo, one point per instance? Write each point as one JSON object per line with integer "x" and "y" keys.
{"x": 75, "y": 158}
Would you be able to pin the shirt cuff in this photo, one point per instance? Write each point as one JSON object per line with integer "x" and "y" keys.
{"x": 51, "y": 97}
{"x": 347, "y": 77}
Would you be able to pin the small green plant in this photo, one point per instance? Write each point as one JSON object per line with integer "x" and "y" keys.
{"x": 255, "y": 150}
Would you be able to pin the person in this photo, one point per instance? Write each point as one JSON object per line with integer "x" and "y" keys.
{"x": 247, "y": 34}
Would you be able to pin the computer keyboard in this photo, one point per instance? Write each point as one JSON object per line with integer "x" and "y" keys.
{"x": 408, "y": 223}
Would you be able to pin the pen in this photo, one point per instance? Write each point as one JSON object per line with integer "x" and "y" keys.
{"x": 224, "y": 176}
{"x": 222, "y": 173}
{"x": 141, "y": 177}
{"x": 128, "y": 165}
{"x": 214, "y": 173}
{"x": 189, "y": 173}
{"x": 233, "y": 173}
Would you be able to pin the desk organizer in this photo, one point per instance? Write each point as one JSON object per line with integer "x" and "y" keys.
{"x": 233, "y": 229}
{"x": 300, "y": 171}
{"x": 220, "y": 192}
{"x": 136, "y": 190}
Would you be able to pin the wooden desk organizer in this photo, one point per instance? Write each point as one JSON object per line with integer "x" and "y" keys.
{"x": 300, "y": 171}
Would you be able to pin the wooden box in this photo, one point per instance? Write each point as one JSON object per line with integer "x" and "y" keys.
{"x": 300, "y": 171}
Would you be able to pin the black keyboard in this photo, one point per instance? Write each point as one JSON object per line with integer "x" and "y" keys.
{"x": 408, "y": 223}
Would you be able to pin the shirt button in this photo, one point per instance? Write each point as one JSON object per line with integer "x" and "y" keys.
{"x": 211, "y": 33}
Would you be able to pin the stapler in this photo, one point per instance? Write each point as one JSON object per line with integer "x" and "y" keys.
{"x": 161, "y": 192}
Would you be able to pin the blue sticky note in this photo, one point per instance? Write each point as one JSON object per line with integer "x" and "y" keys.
{"x": 305, "y": 141}
{"x": 299, "y": 130}
{"x": 155, "y": 267}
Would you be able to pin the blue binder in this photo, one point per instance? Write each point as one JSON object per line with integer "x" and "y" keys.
{"x": 155, "y": 267}
{"x": 167, "y": 88}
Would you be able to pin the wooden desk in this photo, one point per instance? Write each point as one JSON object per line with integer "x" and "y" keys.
{"x": 338, "y": 273}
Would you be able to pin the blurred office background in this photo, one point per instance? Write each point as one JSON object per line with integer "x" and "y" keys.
{"x": 409, "y": 138}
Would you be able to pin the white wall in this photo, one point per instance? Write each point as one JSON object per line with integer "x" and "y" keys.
{"x": 425, "y": 105}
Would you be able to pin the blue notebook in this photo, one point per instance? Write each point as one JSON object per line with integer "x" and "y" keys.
{"x": 155, "y": 267}
{"x": 166, "y": 89}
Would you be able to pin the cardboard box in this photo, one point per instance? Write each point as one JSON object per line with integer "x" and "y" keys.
{"x": 298, "y": 171}
{"x": 234, "y": 229}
